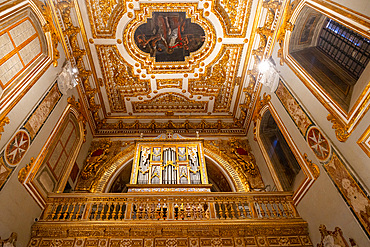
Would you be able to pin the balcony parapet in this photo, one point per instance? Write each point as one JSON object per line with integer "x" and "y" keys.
{"x": 113, "y": 207}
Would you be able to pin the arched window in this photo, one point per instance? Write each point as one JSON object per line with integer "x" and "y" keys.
{"x": 52, "y": 168}
{"x": 283, "y": 160}
{"x": 23, "y": 52}
{"x": 59, "y": 155}
{"x": 20, "y": 45}
{"x": 333, "y": 55}
{"x": 289, "y": 169}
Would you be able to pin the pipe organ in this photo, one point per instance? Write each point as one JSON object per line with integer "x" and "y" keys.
{"x": 174, "y": 162}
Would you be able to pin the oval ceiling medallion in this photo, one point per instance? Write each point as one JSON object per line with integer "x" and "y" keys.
{"x": 169, "y": 37}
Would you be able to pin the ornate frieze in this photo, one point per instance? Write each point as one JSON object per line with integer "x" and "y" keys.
{"x": 294, "y": 109}
{"x": 273, "y": 234}
{"x": 169, "y": 102}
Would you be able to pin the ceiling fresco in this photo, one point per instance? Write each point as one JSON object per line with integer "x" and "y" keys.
{"x": 147, "y": 66}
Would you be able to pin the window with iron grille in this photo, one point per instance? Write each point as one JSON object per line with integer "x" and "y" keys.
{"x": 346, "y": 47}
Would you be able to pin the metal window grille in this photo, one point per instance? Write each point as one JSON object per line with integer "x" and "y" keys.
{"x": 346, "y": 47}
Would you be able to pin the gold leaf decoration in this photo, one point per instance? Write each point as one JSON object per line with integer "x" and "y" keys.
{"x": 23, "y": 173}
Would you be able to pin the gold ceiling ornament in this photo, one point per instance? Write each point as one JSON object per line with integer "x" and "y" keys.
{"x": 50, "y": 27}
{"x": 341, "y": 129}
{"x": 285, "y": 26}
{"x": 104, "y": 16}
{"x": 119, "y": 78}
{"x": 218, "y": 126}
{"x": 3, "y": 121}
{"x": 233, "y": 15}
{"x": 169, "y": 83}
{"x": 169, "y": 102}
{"x": 99, "y": 154}
{"x": 23, "y": 173}
{"x": 257, "y": 111}
{"x": 315, "y": 170}
{"x": 267, "y": 30}
{"x": 149, "y": 63}
{"x": 265, "y": 33}
{"x": 71, "y": 32}
{"x": 220, "y": 78}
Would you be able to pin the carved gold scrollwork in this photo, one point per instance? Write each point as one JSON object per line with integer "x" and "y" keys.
{"x": 93, "y": 163}
{"x": 244, "y": 164}
{"x": 71, "y": 32}
{"x": 313, "y": 167}
{"x": 340, "y": 128}
{"x": 23, "y": 173}
{"x": 50, "y": 27}
{"x": 3, "y": 121}
{"x": 285, "y": 26}
{"x": 104, "y": 16}
{"x": 234, "y": 16}
{"x": 96, "y": 163}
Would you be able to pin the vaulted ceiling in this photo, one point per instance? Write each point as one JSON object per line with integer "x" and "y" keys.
{"x": 146, "y": 66}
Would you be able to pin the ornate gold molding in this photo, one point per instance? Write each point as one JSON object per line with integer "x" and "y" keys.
{"x": 364, "y": 141}
{"x": 149, "y": 63}
{"x": 3, "y": 121}
{"x": 315, "y": 170}
{"x": 169, "y": 102}
{"x": 97, "y": 162}
{"x": 219, "y": 125}
{"x": 285, "y": 26}
{"x": 339, "y": 127}
{"x": 104, "y": 16}
{"x": 50, "y": 27}
{"x": 23, "y": 173}
{"x": 71, "y": 31}
{"x": 233, "y": 15}
{"x": 244, "y": 164}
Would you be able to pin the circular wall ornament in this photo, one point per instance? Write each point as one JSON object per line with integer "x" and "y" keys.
{"x": 318, "y": 143}
{"x": 17, "y": 147}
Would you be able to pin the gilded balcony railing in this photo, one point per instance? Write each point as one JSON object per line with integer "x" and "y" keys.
{"x": 170, "y": 207}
